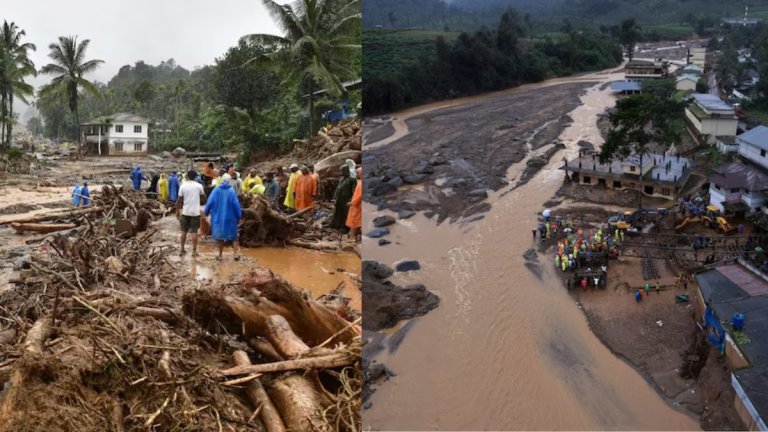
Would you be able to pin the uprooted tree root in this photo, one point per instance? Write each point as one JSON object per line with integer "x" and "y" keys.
{"x": 97, "y": 338}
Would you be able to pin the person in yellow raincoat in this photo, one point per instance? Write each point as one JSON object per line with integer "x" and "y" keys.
{"x": 251, "y": 181}
{"x": 162, "y": 188}
{"x": 290, "y": 199}
{"x": 258, "y": 189}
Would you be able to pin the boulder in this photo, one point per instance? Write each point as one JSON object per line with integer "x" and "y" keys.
{"x": 405, "y": 214}
{"x": 166, "y": 155}
{"x": 384, "y": 242}
{"x": 407, "y": 265}
{"x": 377, "y": 270}
{"x": 536, "y": 162}
{"x": 396, "y": 182}
{"x": 382, "y": 221}
{"x": 378, "y": 232}
{"x": 481, "y": 193}
{"x": 330, "y": 167}
{"x": 424, "y": 168}
{"x": 378, "y": 187}
{"x": 414, "y": 179}
{"x": 179, "y": 152}
{"x": 438, "y": 160}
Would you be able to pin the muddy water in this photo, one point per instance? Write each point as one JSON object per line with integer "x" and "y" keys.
{"x": 508, "y": 348}
{"x": 318, "y": 272}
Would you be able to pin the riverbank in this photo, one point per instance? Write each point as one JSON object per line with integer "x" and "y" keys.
{"x": 506, "y": 348}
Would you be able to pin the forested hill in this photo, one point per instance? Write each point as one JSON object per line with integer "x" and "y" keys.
{"x": 467, "y": 15}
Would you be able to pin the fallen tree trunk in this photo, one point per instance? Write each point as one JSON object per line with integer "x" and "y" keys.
{"x": 36, "y": 336}
{"x": 259, "y": 398}
{"x": 320, "y": 246}
{"x": 265, "y": 348}
{"x": 268, "y": 295}
{"x": 55, "y": 216}
{"x": 299, "y": 403}
{"x": 337, "y": 359}
{"x": 283, "y": 338}
{"x": 41, "y": 228}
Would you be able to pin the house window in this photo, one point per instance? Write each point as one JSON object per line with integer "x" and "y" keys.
{"x": 587, "y": 180}
{"x": 649, "y": 190}
{"x": 632, "y": 168}
{"x": 665, "y": 191}
{"x": 119, "y": 146}
{"x": 137, "y": 129}
{"x": 616, "y": 184}
{"x": 118, "y": 128}
{"x": 735, "y": 190}
{"x": 138, "y": 146}
{"x": 762, "y": 153}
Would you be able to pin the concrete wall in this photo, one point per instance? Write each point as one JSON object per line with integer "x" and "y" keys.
{"x": 747, "y": 412}
{"x": 128, "y": 132}
{"x": 128, "y": 146}
{"x": 753, "y": 153}
{"x": 686, "y": 85}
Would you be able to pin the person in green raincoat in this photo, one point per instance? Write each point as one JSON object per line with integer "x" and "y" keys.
{"x": 341, "y": 198}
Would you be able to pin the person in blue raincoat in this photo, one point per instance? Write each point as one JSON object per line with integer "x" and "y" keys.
{"x": 173, "y": 187}
{"x": 224, "y": 209}
{"x": 76, "y": 195}
{"x": 136, "y": 177}
{"x": 85, "y": 194}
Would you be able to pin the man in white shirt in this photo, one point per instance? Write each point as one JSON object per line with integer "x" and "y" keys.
{"x": 191, "y": 194}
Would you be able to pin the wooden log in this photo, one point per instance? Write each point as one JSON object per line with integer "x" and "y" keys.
{"x": 299, "y": 403}
{"x": 41, "y": 228}
{"x": 265, "y": 348}
{"x": 268, "y": 295}
{"x": 319, "y": 246}
{"x": 337, "y": 359}
{"x": 53, "y": 216}
{"x": 283, "y": 338}
{"x": 268, "y": 413}
{"x": 36, "y": 336}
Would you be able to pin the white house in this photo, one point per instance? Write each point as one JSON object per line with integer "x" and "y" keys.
{"x": 753, "y": 145}
{"x": 738, "y": 186}
{"x": 118, "y": 134}
{"x": 709, "y": 117}
{"x": 686, "y": 82}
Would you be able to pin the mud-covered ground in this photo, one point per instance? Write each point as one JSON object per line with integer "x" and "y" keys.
{"x": 657, "y": 334}
{"x": 456, "y": 155}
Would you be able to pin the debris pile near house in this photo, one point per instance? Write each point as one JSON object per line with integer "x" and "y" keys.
{"x": 103, "y": 333}
{"x": 262, "y": 225}
{"x": 330, "y": 139}
{"x": 129, "y": 210}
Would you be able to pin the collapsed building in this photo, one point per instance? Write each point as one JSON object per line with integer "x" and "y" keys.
{"x": 658, "y": 175}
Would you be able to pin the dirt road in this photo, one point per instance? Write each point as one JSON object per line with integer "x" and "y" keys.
{"x": 508, "y": 348}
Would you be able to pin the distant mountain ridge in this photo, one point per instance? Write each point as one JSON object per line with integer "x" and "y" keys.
{"x": 467, "y": 15}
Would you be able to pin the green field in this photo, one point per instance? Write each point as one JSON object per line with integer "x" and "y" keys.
{"x": 387, "y": 52}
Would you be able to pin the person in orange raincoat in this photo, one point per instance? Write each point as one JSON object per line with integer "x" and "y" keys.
{"x": 355, "y": 216}
{"x": 306, "y": 188}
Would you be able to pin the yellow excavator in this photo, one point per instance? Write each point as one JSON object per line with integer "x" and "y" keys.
{"x": 711, "y": 218}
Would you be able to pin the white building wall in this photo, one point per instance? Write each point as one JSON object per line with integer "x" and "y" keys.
{"x": 754, "y": 200}
{"x": 719, "y": 127}
{"x": 716, "y": 198}
{"x": 753, "y": 153}
{"x": 685, "y": 85}
{"x": 128, "y": 132}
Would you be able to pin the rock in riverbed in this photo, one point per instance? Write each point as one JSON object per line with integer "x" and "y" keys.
{"x": 408, "y": 265}
{"x": 378, "y": 232}
{"x": 382, "y": 221}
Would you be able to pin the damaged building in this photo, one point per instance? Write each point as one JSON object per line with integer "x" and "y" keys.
{"x": 741, "y": 186}
{"x": 657, "y": 175}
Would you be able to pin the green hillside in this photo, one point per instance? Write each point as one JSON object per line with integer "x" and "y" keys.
{"x": 389, "y": 52}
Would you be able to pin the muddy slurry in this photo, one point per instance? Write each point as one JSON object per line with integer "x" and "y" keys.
{"x": 508, "y": 347}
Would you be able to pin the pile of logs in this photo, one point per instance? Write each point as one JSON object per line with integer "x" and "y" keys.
{"x": 105, "y": 334}
{"x": 330, "y": 139}
{"x": 131, "y": 210}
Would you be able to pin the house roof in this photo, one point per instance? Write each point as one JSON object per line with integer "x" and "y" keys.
{"x": 678, "y": 173}
{"x": 757, "y": 137}
{"x": 711, "y": 102}
{"x": 117, "y": 118}
{"x": 687, "y": 78}
{"x": 740, "y": 175}
{"x": 692, "y": 68}
{"x": 625, "y": 86}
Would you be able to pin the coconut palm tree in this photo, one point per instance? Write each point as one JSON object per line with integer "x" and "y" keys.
{"x": 316, "y": 50}
{"x": 69, "y": 66}
{"x": 15, "y": 65}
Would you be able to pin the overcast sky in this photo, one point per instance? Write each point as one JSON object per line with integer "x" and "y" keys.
{"x": 192, "y": 32}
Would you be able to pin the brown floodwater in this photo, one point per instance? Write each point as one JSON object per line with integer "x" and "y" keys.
{"x": 318, "y": 272}
{"x": 508, "y": 347}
